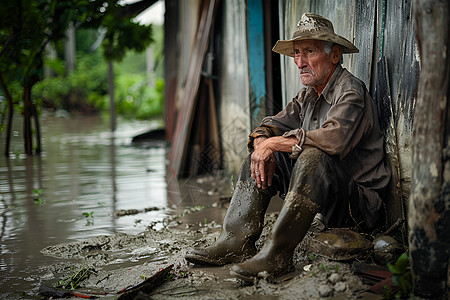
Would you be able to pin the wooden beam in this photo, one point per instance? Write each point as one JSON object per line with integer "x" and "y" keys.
{"x": 429, "y": 209}
{"x": 188, "y": 102}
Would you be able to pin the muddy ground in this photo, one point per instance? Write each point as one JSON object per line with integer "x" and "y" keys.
{"x": 122, "y": 260}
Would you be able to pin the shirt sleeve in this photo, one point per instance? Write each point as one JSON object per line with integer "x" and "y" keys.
{"x": 343, "y": 127}
{"x": 286, "y": 120}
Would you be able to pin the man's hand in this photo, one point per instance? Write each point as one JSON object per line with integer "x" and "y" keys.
{"x": 263, "y": 162}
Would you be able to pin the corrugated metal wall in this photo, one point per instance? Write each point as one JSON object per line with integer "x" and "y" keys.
{"x": 234, "y": 85}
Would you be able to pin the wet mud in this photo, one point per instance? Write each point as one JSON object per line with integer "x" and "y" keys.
{"x": 123, "y": 260}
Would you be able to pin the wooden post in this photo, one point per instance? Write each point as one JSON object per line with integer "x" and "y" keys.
{"x": 10, "y": 115}
{"x": 27, "y": 113}
{"x": 429, "y": 207}
{"x": 111, "y": 92}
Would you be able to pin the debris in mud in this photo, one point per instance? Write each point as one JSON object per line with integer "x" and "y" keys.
{"x": 378, "y": 277}
{"x": 59, "y": 293}
{"x": 129, "y": 212}
{"x": 386, "y": 249}
{"x": 123, "y": 260}
{"x": 339, "y": 244}
{"x": 74, "y": 281}
{"x": 147, "y": 286}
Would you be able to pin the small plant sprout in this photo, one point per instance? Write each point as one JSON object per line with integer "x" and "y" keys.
{"x": 37, "y": 196}
{"x": 73, "y": 282}
{"x": 401, "y": 277}
{"x": 89, "y": 218}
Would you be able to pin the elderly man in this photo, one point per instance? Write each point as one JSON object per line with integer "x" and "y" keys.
{"x": 324, "y": 152}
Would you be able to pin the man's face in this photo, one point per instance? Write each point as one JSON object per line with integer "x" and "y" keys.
{"x": 315, "y": 64}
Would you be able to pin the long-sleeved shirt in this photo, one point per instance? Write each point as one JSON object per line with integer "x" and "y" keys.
{"x": 342, "y": 122}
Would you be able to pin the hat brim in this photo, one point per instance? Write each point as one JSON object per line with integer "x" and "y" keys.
{"x": 286, "y": 47}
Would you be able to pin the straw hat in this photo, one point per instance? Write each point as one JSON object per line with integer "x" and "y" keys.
{"x": 313, "y": 27}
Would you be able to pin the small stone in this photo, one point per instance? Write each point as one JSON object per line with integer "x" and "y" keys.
{"x": 307, "y": 268}
{"x": 334, "y": 278}
{"x": 340, "y": 287}
{"x": 266, "y": 276}
{"x": 325, "y": 290}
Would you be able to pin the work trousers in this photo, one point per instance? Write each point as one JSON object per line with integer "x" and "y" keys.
{"x": 318, "y": 177}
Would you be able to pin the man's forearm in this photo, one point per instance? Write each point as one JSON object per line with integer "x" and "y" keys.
{"x": 280, "y": 143}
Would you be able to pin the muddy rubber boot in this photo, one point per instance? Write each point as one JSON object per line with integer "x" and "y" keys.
{"x": 289, "y": 229}
{"x": 242, "y": 226}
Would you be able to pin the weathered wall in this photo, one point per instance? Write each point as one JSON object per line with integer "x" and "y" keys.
{"x": 188, "y": 11}
{"x": 378, "y": 28}
{"x": 234, "y": 110}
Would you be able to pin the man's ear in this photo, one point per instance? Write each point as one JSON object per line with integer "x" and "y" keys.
{"x": 336, "y": 53}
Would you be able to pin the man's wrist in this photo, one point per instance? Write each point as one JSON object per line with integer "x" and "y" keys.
{"x": 257, "y": 141}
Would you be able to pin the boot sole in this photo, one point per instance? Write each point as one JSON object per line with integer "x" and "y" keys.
{"x": 201, "y": 260}
{"x": 269, "y": 277}
{"x": 205, "y": 261}
{"x": 248, "y": 279}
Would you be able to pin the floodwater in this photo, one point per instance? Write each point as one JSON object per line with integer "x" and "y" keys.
{"x": 72, "y": 190}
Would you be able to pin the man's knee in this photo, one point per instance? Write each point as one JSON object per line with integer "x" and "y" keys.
{"x": 308, "y": 161}
{"x": 245, "y": 173}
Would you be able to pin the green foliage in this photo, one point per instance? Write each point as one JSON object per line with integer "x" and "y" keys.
{"x": 85, "y": 39}
{"x": 158, "y": 46}
{"x": 401, "y": 277}
{"x": 73, "y": 282}
{"x": 27, "y": 27}
{"x": 89, "y": 218}
{"x": 122, "y": 33}
{"x": 87, "y": 82}
{"x": 56, "y": 64}
{"x": 86, "y": 87}
{"x": 37, "y": 196}
{"x": 123, "y": 36}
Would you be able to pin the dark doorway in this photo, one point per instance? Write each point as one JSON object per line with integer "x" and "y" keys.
{"x": 273, "y": 73}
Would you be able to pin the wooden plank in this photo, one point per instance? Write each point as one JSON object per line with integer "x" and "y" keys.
{"x": 394, "y": 203}
{"x": 365, "y": 12}
{"x": 188, "y": 102}
{"x": 213, "y": 124}
{"x": 256, "y": 62}
{"x": 429, "y": 208}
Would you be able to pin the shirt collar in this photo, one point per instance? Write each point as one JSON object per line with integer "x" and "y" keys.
{"x": 329, "y": 88}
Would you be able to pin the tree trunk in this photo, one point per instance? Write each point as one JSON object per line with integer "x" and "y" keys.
{"x": 38, "y": 130}
{"x": 10, "y": 115}
{"x": 70, "y": 49}
{"x": 28, "y": 112}
{"x": 112, "y": 101}
{"x": 429, "y": 207}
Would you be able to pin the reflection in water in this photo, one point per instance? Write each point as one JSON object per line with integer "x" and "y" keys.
{"x": 71, "y": 192}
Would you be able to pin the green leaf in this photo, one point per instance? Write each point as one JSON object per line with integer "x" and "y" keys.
{"x": 402, "y": 263}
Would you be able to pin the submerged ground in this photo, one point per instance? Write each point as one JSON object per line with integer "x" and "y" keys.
{"x": 93, "y": 201}
{"x": 121, "y": 260}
